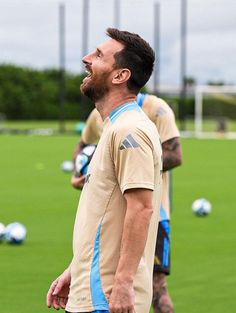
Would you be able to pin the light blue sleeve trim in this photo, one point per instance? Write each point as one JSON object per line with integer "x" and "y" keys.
{"x": 123, "y": 108}
{"x": 98, "y": 297}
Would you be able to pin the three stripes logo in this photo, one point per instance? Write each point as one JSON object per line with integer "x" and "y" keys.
{"x": 129, "y": 142}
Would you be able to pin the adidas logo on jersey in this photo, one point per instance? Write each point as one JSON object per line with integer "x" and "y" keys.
{"x": 129, "y": 142}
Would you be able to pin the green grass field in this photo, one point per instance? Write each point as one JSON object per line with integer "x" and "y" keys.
{"x": 209, "y": 125}
{"x": 26, "y": 125}
{"x": 34, "y": 191}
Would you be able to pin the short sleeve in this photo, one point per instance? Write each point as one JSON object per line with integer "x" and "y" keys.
{"x": 132, "y": 153}
{"x": 165, "y": 122}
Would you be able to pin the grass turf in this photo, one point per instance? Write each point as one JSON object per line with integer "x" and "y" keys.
{"x": 34, "y": 191}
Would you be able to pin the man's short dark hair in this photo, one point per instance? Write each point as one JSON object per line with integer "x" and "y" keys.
{"x": 137, "y": 56}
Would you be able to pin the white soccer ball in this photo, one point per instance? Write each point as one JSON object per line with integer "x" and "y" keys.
{"x": 15, "y": 233}
{"x": 2, "y": 231}
{"x": 67, "y": 166}
{"x": 201, "y": 207}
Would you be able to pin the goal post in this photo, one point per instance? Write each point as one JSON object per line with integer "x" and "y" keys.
{"x": 226, "y": 94}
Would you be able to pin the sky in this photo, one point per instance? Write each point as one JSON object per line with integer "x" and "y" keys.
{"x": 29, "y": 34}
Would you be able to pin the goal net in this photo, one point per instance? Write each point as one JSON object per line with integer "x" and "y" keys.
{"x": 215, "y": 111}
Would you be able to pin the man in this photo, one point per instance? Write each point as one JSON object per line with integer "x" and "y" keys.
{"x": 163, "y": 117}
{"x": 117, "y": 217}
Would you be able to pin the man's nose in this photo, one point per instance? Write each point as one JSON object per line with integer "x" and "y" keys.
{"x": 87, "y": 59}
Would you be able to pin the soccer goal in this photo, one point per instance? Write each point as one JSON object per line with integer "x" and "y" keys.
{"x": 215, "y": 111}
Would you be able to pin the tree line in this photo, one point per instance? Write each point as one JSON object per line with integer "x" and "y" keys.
{"x": 27, "y": 93}
{"x": 31, "y": 94}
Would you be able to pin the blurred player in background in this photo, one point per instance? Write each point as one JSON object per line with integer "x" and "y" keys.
{"x": 163, "y": 117}
{"x": 117, "y": 218}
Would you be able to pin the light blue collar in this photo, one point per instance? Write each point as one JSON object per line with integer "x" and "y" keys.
{"x": 140, "y": 98}
{"x": 123, "y": 108}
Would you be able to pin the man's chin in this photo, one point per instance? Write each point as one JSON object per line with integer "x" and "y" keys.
{"x": 91, "y": 92}
{"x": 85, "y": 90}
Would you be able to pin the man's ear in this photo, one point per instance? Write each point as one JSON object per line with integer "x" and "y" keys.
{"x": 121, "y": 76}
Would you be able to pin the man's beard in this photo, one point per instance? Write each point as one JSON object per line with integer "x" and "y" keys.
{"x": 96, "y": 88}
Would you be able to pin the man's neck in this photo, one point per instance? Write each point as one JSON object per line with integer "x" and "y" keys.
{"x": 112, "y": 101}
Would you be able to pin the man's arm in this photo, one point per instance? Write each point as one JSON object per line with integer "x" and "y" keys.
{"x": 135, "y": 232}
{"x": 172, "y": 153}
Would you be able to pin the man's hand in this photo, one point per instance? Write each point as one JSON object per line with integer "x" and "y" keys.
{"x": 122, "y": 298}
{"x": 78, "y": 182}
{"x": 58, "y": 292}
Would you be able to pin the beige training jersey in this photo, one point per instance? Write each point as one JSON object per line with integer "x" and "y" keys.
{"x": 161, "y": 115}
{"x": 128, "y": 156}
